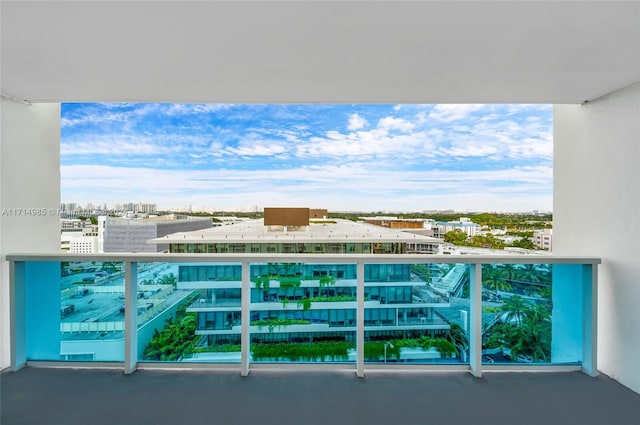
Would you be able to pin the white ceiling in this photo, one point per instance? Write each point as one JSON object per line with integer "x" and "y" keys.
{"x": 318, "y": 51}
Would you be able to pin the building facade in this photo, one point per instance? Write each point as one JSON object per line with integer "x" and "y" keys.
{"x": 440, "y": 228}
{"x": 543, "y": 239}
{"x": 131, "y": 235}
{"x": 317, "y": 302}
{"x": 334, "y": 236}
{"x": 311, "y": 302}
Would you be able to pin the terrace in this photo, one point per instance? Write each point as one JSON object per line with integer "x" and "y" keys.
{"x": 580, "y": 56}
{"x": 103, "y": 397}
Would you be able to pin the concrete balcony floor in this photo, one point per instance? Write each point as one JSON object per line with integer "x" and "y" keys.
{"x": 88, "y": 396}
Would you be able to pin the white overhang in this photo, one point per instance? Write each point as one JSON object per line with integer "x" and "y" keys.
{"x": 318, "y": 51}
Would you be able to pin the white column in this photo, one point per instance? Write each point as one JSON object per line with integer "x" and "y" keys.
{"x": 130, "y": 317}
{"x": 245, "y": 318}
{"x": 29, "y": 179}
{"x": 360, "y": 322}
{"x": 475, "y": 334}
{"x": 596, "y": 179}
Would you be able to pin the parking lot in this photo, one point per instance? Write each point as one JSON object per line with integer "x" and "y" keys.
{"x": 101, "y": 298}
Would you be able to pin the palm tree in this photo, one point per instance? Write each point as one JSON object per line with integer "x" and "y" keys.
{"x": 168, "y": 279}
{"x": 536, "y": 334}
{"x": 533, "y": 338}
{"x": 175, "y": 340}
{"x": 514, "y": 308}
{"x": 458, "y": 337}
{"x": 529, "y": 274}
{"x": 493, "y": 279}
{"x": 509, "y": 271}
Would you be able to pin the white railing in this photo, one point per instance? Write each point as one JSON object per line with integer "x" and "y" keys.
{"x": 586, "y": 281}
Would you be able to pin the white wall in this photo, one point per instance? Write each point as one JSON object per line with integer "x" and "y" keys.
{"x": 29, "y": 178}
{"x": 597, "y": 186}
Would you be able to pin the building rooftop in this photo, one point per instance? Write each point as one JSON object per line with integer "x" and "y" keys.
{"x": 332, "y": 230}
{"x": 456, "y": 223}
{"x": 157, "y": 219}
{"x": 392, "y": 218}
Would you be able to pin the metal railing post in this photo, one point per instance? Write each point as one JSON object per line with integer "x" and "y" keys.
{"x": 590, "y": 323}
{"x": 475, "y": 316}
{"x": 360, "y": 321}
{"x": 130, "y": 317}
{"x": 17, "y": 315}
{"x": 245, "y": 317}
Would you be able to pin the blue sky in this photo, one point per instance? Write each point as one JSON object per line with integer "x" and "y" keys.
{"x": 341, "y": 157}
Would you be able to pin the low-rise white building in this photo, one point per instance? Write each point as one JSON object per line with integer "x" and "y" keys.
{"x": 440, "y": 228}
{"x": 543, "y": 239}
{"x": 78, "y": 244}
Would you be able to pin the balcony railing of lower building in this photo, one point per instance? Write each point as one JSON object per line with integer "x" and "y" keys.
{"x": 348, "y": 311}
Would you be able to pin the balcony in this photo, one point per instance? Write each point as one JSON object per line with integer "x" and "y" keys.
{"x": 478, "y": 321}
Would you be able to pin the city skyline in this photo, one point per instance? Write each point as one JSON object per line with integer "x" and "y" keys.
{"x": 340, "y": 157}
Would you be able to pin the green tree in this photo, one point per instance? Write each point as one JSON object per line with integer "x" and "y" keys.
{"x": 493, "y": 279}
{"x": 168, "y": 279}
{"x": 458, "y": 337}
{"x": 422, "y": 270}
{"x": 528, "y": 273}
{"x": 508, "y": 270}
{"x": 456, "y": 237}
{"x": 524, "y": 243}
{"x": 175, "y": 340}
{"x": 515, "y": 308}
{"x": 533, "y": 338}
{"x": 487, "y": 241}
{"x": 530, "y": 338}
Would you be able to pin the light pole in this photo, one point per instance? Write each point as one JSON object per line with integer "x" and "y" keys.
{"x": 387, "y": 344}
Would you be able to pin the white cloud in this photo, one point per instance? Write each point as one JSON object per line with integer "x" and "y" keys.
{"x": 448, "y": 113}
{"x": 120, "y": 145}
{"x": 356, "y": 122}
{"x": 258, "y": 149}
{"x": 400, "y": 124}
{"x": 195, "y": 108}
{"x": 418, "y": 157}
{"x": 101, "y": 114}
{"x": 93, "y": 119}
{"x": 361, "y": 185}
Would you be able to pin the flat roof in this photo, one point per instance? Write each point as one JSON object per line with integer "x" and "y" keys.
{"x": 160, "y": 219}
{"x": 332, "y": 230}
{"x": 391, "y": 218}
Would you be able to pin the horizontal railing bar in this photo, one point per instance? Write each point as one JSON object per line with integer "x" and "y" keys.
{"x": 286, "y": 366}
{"x": 418, "y": 367}
{"x": 222, "y": 367}
{"x": 528, "y": 367}
{"x": 77, "y": 364}
{"x": 308, "y": 258}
